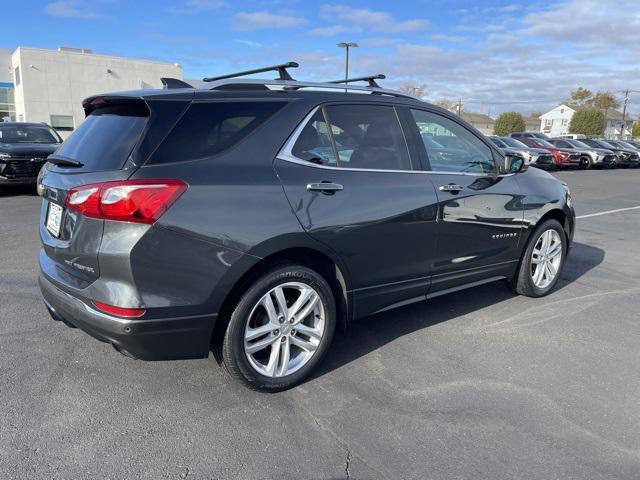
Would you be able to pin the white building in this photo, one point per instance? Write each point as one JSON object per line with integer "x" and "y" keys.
{"x": 556, "y": 122}
{"x": 49, "y": 85}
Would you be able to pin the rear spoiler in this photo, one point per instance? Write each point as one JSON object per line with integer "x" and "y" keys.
{"x": 91, "y": 103}
{"x": 168, "y": 82}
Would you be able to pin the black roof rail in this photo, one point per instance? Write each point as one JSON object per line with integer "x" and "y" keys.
{"x": 168, "y": 82}
{"x": 369, "y": 78}
{"x": 281, "y": 69}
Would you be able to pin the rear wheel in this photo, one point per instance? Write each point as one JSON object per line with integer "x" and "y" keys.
{"x": 542, "y": 261}
{"x": 280, "y": 329}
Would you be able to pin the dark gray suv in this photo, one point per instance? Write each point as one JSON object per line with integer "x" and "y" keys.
{"x": 254, "y": 218}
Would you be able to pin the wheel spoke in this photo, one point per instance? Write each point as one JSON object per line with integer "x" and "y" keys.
{"x": 267, "y": 303}
{"x": 309, "y": 331}
{"x": 308, "y": 308}
{"x": 552, "y": 270}
{"x": 273, "y": 359}
{"x": 253, "y": 333}
{"x": 545, "y": 241}
{"x": 555, "y": 250}
{"x": 537, "y": 276}
{"x": 305, "y": 295}
{"x": 254, "y": 347}
{"x": 284, "y": 357}
{"x": 282, "y": 302}
{"x": 305, "y": 345}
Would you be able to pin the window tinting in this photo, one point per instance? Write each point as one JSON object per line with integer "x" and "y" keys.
{"x": 451, "y": 147}
{"x": 104, "y": 140}
{"x": 314, "y": 142}
{"x": 368, "y": 136}
{"x": 207, "y": 129}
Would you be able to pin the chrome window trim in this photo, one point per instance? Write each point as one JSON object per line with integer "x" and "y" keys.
{"x": 286, "y": 155}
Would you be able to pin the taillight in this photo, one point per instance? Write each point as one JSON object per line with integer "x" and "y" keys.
{"x": 142, "y": 201}
{"x": 120, "y": 311}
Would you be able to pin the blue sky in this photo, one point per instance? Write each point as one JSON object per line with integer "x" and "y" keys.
{"x": 495, "y": 55}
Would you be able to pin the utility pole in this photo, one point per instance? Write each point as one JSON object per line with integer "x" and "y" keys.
{"x": 624, "y": 113}
{"x": 459, "y": 107}
{"x": 347, "y": 46}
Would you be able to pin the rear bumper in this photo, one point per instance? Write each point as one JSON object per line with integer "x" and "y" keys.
{"x": 155, "y": 339}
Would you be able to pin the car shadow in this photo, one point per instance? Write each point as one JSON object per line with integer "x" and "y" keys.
{"x": 368, "y": 334}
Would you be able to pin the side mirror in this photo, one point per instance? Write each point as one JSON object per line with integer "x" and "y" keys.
{"x": 513, "y": 163}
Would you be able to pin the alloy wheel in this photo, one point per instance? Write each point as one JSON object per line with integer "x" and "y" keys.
{"x": 284, "y": 329}
{"x": 546, "y": 258}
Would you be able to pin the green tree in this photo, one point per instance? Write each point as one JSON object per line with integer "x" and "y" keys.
{"x": 604, "y": 101}
{"x": 635, "y": 132}
{"x": 509, "y": 122}
{"x": 587, "y": 121}
{"x": 580, "y": 98}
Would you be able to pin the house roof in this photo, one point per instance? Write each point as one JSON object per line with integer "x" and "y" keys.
{"x": 477, "y": 117}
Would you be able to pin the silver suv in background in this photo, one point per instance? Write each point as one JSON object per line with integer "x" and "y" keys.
{"x": 538, "y": 157}
{"x": 590, "y": 156}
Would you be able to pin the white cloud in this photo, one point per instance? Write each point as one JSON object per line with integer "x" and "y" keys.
{"x": 71, "y": 9}
{"x": 248, "y": 43}
{"x": 334, "y": 30}
{"x": 247, "y": 21}
{"x": 369, "y": 19}
{"x": 197, "y": 6}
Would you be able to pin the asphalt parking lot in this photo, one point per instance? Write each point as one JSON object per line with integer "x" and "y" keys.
{"x": 478, "y": 384}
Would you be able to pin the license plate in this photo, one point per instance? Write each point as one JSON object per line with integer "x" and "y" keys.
{"x": 54, "y": 219}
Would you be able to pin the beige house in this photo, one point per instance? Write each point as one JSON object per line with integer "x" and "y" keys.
{"x": 482, "y": 122}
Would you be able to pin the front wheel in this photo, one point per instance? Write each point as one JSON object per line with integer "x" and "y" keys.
{"x": 542, "y": 261}
{"x": 280, "y": 329}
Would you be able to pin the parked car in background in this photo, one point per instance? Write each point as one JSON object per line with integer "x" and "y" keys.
{"x": 537, "y": 157}
{"x": 589, "y": 156}
{"x": 24, "y": 148}
{"x": 627, "y": 144}
{"x": 633, "y": 142}
{"x": 519, "y": 135}
{"x": 625, "y": 156}
{"x": 564, "y": 157}
{"x": 254, "y": 222}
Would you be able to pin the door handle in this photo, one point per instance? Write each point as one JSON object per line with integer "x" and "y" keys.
{"x": 325, "y": 187}
{"x": 451, "y": 187}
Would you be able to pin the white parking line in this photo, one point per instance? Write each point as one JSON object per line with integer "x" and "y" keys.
{"x": 608, "y": 212}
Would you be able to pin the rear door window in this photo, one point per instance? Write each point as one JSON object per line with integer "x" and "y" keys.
{"x": 207, "y": 129}
{"x": 105, "y": 139}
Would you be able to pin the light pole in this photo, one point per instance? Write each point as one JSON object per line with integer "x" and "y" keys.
{"x": 347, "y": 46}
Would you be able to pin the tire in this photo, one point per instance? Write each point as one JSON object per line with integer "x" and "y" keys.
{"x": 259, "y": 323}
{"x": 586, "y": 163}
{"x": 524, "y": 281}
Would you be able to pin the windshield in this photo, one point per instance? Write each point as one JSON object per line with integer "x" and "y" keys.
{"x": 577, "y": 143}
{"x": 28, "y": 134}
{"x": 626, "y": 145}
{"x": 543, "y": 143}
{"x": 512, "y": 142}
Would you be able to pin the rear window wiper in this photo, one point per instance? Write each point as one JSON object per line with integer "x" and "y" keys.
{"x": 64, "y": 161}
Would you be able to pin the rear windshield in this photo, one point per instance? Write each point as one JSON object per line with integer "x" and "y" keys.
{"x": 207, "y": 129}
{"x": 106, "y": 137}
{"x": 28, "y": 134}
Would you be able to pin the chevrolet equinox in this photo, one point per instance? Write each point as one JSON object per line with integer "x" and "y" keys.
{"x": 255, "y": 217}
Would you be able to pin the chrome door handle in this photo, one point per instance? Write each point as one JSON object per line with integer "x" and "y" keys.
{"x": 451, "y": 187}
{"x": 325, "y": 187}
